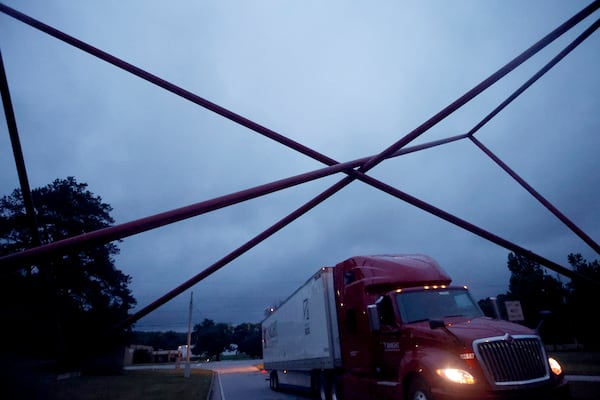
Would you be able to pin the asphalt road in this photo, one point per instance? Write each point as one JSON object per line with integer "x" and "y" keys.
{"x": 242, "y": 380}
{"x": 245, "y": 383}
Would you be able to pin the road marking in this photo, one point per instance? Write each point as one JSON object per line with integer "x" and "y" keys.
{"x": 220, "y": 387}
{"x": 583, "y": 378}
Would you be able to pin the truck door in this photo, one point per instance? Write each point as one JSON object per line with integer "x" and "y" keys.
{"x": 389, "y": 350}
{"x": 358, "y": 346}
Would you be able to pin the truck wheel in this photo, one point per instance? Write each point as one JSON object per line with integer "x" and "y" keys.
{"x": 323, "y": 387}
{"x": 274, "y": 381}
{"x": 335, "y": 392}
{"x": 419, "y": 390}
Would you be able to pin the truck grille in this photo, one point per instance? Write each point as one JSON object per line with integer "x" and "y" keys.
{"x": 512, "y": 360}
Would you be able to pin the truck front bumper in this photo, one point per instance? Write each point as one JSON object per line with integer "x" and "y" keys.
{"x": 559, "y": 391}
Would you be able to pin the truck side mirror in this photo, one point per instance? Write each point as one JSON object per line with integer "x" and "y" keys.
{"x": 373, "y": 315}
{"x": 544, "y": 314}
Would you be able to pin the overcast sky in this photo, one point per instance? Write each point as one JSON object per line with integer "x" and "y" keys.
{"x": 347, "y": 78}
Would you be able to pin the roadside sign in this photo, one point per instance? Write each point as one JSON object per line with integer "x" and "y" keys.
{"x": 514, "y": 311}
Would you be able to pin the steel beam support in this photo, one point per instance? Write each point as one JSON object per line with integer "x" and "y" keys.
{"x": 384, "y": 187}
{"x": 557, "y": 213}
{"x": 134, "y": 227}
{"x": 524, "y": 56}
{"x": 322, "y": 197}
{"x": 353, "y": 174}
{"x": 13, "y": 132}
{"x": 584, "y": 35}
{"x": 276, "y": 136}
{"x": 168, "y": 86}
{"x": 538, "y": 196}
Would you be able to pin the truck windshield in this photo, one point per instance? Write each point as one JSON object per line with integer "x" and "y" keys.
{"x": 430, "y": 304}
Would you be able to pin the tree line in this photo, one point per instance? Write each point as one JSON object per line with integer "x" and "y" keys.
{"x": 66, "y": 307}
{"x": 563, "y": 311}
{"x": 209, "y": 339}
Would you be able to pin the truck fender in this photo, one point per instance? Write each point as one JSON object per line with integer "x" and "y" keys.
{"x": 421, "y": 368}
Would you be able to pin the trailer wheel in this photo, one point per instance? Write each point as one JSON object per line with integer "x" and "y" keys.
{"x": 274, "y": 381}
{"x": 419, "y": 390}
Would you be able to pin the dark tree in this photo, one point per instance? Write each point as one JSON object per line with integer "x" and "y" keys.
{"x": 538, "y": 291}
{"x": 494, "y": 310}
{"x": 169, "y": 340}
{"x": 248, "y": 337}
{"x": 582, "y": 298}
{"x": 66, "y": 305}
{"x": 211, "y": 339}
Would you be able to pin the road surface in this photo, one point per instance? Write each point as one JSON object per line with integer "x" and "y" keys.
{"x": 242, "y": 380}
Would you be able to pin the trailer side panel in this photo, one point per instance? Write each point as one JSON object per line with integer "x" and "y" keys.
{"x": 302, "y": 334}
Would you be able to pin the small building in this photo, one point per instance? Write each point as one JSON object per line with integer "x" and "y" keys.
{"x": 141, "y": 354}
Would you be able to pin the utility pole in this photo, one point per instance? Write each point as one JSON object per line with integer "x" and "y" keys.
{"x": 186, "y": 372}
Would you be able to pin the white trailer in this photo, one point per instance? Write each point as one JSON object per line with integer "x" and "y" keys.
{"x": 300, "y": 338}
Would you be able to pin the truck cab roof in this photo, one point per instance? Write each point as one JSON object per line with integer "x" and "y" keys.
{"x": 381, "y": 273}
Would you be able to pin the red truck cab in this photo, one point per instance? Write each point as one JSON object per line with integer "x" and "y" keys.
{"x": 406, "y": 333}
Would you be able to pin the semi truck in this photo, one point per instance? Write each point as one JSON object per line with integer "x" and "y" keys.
{"x": 393, "y": 327}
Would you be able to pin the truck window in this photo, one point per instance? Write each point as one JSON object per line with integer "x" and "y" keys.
{"x": 386, "y": 311}
{"x": 348, "y": 277}
{"x": 430, "y": 304}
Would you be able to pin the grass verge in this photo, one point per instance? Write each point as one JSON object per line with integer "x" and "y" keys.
{"x": 139, "y": 384}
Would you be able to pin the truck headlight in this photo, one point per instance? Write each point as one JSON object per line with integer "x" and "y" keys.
{"x": 456, "y": 375}
{"x": 554, "y": 366}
